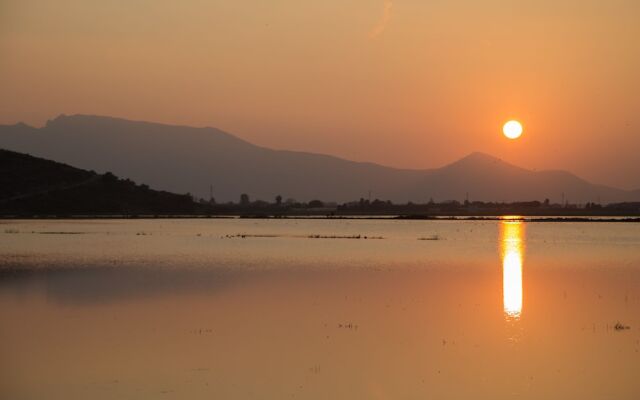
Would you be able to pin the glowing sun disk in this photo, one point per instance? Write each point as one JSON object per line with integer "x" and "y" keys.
{"x": 512, "y": 129}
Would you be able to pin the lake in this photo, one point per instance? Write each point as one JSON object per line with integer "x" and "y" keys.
{"x": 319, "y": 309}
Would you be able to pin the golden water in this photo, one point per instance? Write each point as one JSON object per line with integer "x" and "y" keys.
{"x": 185, "y": 309}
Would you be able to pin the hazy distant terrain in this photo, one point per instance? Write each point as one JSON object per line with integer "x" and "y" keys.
{"x": 188, "y": 160}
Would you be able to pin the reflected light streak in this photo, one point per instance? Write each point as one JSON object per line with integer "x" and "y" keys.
{"x": 512, "y": 243}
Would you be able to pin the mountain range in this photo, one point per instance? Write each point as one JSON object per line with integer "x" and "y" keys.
{"x": 201, "y": 161}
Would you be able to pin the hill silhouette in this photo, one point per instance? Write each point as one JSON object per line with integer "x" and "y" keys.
{"x": 487, "y": 178}
{"x": 31, "y": 186}
{"x": 186, "y": 159}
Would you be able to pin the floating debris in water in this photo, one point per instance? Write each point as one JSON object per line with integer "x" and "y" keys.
{"x": 433, "y": 237}
{"x": 248, "y": 235}
{"x": 348, "y": 326}
{"x": 343, "y": 237}
{"x": 621, "y": 327}
{"x": 201, "y": 331}
{"x": 315, "y": 369}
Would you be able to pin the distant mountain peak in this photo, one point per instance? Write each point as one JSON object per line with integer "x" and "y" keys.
{"x": 22, "y": 125}
{"x": 480, "y": 156}
{"x": 477, "y": 159}
{"x": 64, "y": 119}
{"x": 83, "y": 120}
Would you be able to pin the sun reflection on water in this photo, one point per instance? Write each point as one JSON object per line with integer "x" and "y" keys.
{"x": 512, "y": 245}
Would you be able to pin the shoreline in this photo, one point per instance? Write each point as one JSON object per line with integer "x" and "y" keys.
{"x": 391, "y": 217}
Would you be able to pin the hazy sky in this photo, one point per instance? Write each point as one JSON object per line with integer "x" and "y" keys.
{"x": 406, "y": 83}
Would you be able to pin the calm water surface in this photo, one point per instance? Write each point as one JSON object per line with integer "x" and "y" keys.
{"x": 279, "y": 309}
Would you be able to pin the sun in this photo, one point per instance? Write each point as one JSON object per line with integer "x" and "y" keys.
{"x": 512, "y": 129}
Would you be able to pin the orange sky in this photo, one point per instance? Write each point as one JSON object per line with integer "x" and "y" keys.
{"x": 405, "y": 83}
